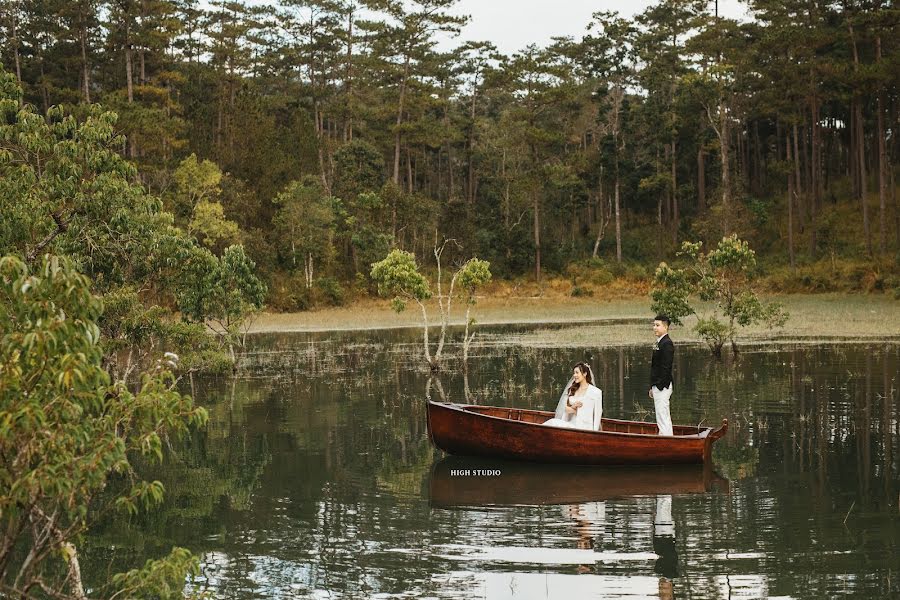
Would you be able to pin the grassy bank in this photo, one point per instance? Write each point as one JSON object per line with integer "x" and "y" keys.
{"x": 619, "y": 320}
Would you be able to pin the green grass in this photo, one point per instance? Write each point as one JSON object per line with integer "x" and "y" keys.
{"x": 599, "y": 323}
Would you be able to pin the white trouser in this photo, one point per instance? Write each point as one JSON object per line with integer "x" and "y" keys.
{"x": 662, "y": 522}
{"x": 661, "y": 402}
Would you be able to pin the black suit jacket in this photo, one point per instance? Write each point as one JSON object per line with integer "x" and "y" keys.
{"x": 661, "y": 364}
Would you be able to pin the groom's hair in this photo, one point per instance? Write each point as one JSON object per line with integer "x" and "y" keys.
{"x": 663, "y": 318}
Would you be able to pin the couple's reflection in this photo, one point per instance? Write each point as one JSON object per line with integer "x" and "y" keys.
{"x": 589, "y": 518}
{"x": 585, "y": 496}
{"x": 664, "y": 546}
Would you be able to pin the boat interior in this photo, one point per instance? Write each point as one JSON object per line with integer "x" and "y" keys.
{"x": 608, "y": 425}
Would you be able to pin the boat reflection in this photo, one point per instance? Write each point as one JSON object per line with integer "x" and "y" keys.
{"x": 464, "y": 481}
{"x": 582, "y": 493}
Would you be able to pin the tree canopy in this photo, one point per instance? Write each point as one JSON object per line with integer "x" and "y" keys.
{"x": 618, "y": 144}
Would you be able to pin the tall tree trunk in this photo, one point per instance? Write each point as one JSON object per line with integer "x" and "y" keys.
{"x": 232, "y": 93}
{"x": 129, "y": 69}
{"x": 744, "y": 145}
{"x": 537, "y": 235}
{"x": 85, "y": 67}
{"x": 674, "y": 197}
{"x": 321, "y": 142}
{"x": 860, "y": 146}
{"x": 15, "y": 43}
{"x": 815, "y": 185}
{"x": 815, "y": 168}
{"x": 451, "y": 182}
{"x": 535, "y": 198}
{"x": 348, "y": 86}
{"x": 399, "y": 122}
{"x": 883, "y": 165}
{"x": 807, "y": 160}
{"x": 863, "y": 187}
{"x": 601, "y": 212}
{"x": 701, "y": 179}
{"x": 758, "y": 171}
{"x": 506, "y": 206}
{"x": 129, "y": 81}
{"x": 798, "y": 186}
{"x": 724, "y": 142}
{"x": 896, "y": 205}
{"x": 852, "y": 162}
{"x": 470, "y": 183}
{"x": 618, "y": 216}
{"x": 790, "y": 204}
{"x": 409, "y": 171}
{"x": 661, "y": 198}
{"x": 664, "y": 201}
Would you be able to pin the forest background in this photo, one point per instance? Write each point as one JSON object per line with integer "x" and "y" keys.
{"x": 319, "y": 135}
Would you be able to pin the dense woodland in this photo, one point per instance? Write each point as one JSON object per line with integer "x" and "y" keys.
{"x": 320, "y": 134}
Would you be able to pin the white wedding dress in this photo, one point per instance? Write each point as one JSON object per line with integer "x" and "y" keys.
{"x": 587, "y": 416}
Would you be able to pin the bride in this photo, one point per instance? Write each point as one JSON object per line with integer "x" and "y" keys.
{"x": 581, "y": 404}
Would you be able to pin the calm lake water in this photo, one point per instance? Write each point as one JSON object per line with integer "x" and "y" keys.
{"x": 316, "y": 479}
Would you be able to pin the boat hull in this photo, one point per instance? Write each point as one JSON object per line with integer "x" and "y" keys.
{"x": 517, "y": 434}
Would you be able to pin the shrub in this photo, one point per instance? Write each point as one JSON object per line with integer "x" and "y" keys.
{"x": 330, "y": 291}
{"x": 580, "y": 292}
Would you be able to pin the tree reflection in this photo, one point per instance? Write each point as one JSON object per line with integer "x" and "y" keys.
{"x": 316, "y": 466}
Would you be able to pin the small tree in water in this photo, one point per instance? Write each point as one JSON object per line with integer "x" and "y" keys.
{"x": 398, "y": 277}
{"x": 722, "y": 276}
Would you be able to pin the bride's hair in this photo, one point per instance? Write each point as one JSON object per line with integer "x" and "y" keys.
{"x": 586, "y": 371}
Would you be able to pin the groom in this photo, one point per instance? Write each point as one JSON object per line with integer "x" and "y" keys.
{"x": 661, "y": 373}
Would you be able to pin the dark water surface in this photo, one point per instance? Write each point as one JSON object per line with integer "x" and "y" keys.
{"x": 316, "y": 479}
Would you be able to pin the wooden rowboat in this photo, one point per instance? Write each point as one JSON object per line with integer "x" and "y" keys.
{"x": 518, "y": 434}
{"x": 467, "y": 481}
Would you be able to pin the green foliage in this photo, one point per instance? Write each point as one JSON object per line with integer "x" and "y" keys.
{"x": 197, "y": 180}
{"x": 834, "y": 275}
{"x": 359, "y": 169}
{"x": 518, "y": 157}
{"x": 398, "y": 275}
{"x": 722, "y": 276}
{"x": 714, "y": 332}
{"x": 330, "y": 291}
{"x": 210, "y": 226}
{"x": 131, "y": 331}
{"x": 161, "y": 579}
{"x": 65, "y": 425}
{"x": 669, "y": 295}
{"x": 64, "y": 188}
{"x": 305, "y": 225}
{"x": 224, "y": 293}
{"x": 473, "y": 274}
{"x": 592, "y": 270}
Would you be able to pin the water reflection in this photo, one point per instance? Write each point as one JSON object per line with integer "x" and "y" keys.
{"x": 316, "y": 478}
{"x": 461, "y": 481}
{"x": 664, "y": 546}
{"x": 583, "y": 495}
